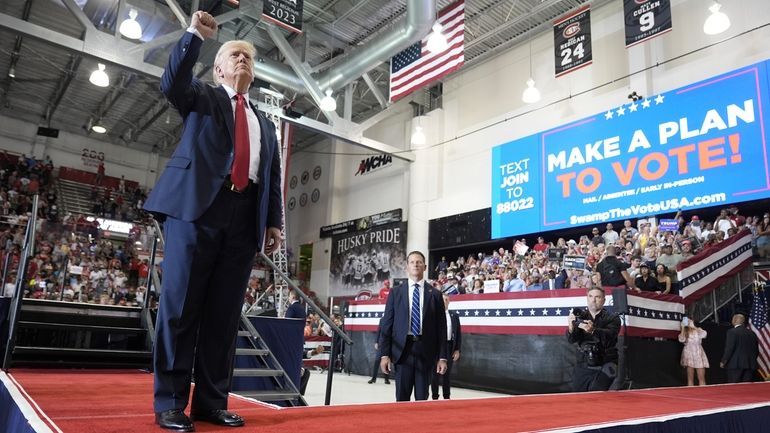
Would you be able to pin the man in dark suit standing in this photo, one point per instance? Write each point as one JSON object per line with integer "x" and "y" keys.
{"x": 741, "y": 351}
{"x": 453, "y": 344}
{"x": 413, "y": 332}
{"x": 220, "y": 199}
{"x": 295, "y": 310}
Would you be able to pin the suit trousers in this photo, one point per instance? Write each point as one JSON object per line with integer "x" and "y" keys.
{"x": 413, "y": 372}
{"x": 586, "y": 378}
{"x": 738, "y": 375}
{"x": 206, "y": 268}
{"x": 445, "y": 380}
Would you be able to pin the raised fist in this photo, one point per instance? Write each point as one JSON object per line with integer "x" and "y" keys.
{"x": 204, "y": 23}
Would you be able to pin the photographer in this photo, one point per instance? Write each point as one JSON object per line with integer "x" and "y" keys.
{"x": 595, "y": 331}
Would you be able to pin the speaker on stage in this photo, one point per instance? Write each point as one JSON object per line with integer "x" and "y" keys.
{"x": 620, "y": 300}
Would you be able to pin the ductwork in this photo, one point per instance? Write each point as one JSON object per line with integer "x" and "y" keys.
{"x": 420, "y": 16}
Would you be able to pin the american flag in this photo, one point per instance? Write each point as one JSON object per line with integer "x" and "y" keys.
{"x": 758, "y": 323}
{"x": 416, "y": 66}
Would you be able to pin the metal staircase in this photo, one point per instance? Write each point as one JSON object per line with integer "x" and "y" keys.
{"x": 725, "y": 295}
{"x": 74, "y": 197}
{"x": 265, "y": 366}
{"x": 68, "y": 334}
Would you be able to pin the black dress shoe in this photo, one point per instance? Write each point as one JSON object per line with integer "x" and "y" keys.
{"x": 372, "y": 380}
{"x": 387, "y": 382}
{"x": 218, "y": 417}
{"x": 174, "y": 419}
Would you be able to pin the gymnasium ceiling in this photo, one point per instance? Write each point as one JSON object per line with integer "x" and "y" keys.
{"x": 52, "y": 46}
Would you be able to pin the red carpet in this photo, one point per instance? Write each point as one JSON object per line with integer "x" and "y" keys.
{"x": 121, "y": 402}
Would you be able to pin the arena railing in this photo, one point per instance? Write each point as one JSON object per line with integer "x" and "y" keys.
{"x": 28, "y": 250}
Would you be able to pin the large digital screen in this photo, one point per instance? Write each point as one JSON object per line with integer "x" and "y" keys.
{"x": 700, "y": 145}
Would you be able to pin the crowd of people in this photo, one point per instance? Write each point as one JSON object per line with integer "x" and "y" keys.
{"x": 71, "y": 262}
{"x": 21, "y": 178}
{"x": 123, "y": 203}
{"x": 645, "y": 256}
{"x": 76, "y": 266}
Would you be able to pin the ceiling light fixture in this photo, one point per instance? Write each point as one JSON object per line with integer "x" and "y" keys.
{"x": 130, "y": 28}
{"x": 99, "y": 77}
{"x": 98, "y": 128}
{"x": 418, "y": 136}
{"x": 437, "y": 42}
{"x": 531, "y": 94}
{"x": 717, "y": 22}
{"x": 328, "y": 103}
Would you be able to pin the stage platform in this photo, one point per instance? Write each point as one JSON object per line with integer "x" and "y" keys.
{"x": 91, "y": 401}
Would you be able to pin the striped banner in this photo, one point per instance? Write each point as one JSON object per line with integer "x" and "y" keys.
{"x": 707, "y": 270}
{"x": 319, "y": 359}
{"x": 537, "y": 313}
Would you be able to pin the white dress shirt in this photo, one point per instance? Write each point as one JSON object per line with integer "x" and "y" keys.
{"x": 448, "y": 326}
{"x": 255, "y": 140}
{"x": 411, "y": 283}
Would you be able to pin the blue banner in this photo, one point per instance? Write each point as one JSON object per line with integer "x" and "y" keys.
{"x": 701, "y": 145}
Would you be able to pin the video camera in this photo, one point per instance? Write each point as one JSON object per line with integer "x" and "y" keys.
{"x": 579, "y": 314}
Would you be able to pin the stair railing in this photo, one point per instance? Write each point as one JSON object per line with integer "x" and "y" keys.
{"x": 7, "y": 262}
{"x": 708, "y": 306}
{"x": 28, "y": 251}
{"x": 337, "y": 334}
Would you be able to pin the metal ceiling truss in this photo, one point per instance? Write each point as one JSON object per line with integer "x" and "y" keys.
{"x": 112, "y": 49}
{"x": 345, "y": 44}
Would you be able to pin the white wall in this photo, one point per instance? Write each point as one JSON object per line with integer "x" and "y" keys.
{"x": 344, "y": 196}
{"x": 67, "y": 150}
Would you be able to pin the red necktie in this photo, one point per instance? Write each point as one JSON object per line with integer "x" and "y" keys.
{"x": 239, "y": 175}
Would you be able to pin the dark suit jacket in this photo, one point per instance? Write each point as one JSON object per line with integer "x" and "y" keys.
{"x": 195, "y": 173}
{"x": 296, "y": 311}
{"x": 561, "y": 279}
{"x": 741, "y": 349}
{"x": 457, "y": 334}
{"x": 395, "y": 323}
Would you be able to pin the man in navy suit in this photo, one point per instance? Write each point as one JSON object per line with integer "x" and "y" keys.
{"x": 454, "y": 341}
{"x": 295, "y": 310}
{"x": 220, "y": 199}
{"x": 413, "y": 333}
{"x": 741, "y": 351}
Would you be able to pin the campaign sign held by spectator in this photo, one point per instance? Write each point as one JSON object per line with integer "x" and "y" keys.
{"x": 556, "y": 254}
{"x": 700, "y": 145}
{"x": 667, "y": 225}
{"x": 574, "y": 262}
{"x": 492, "y": 286}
